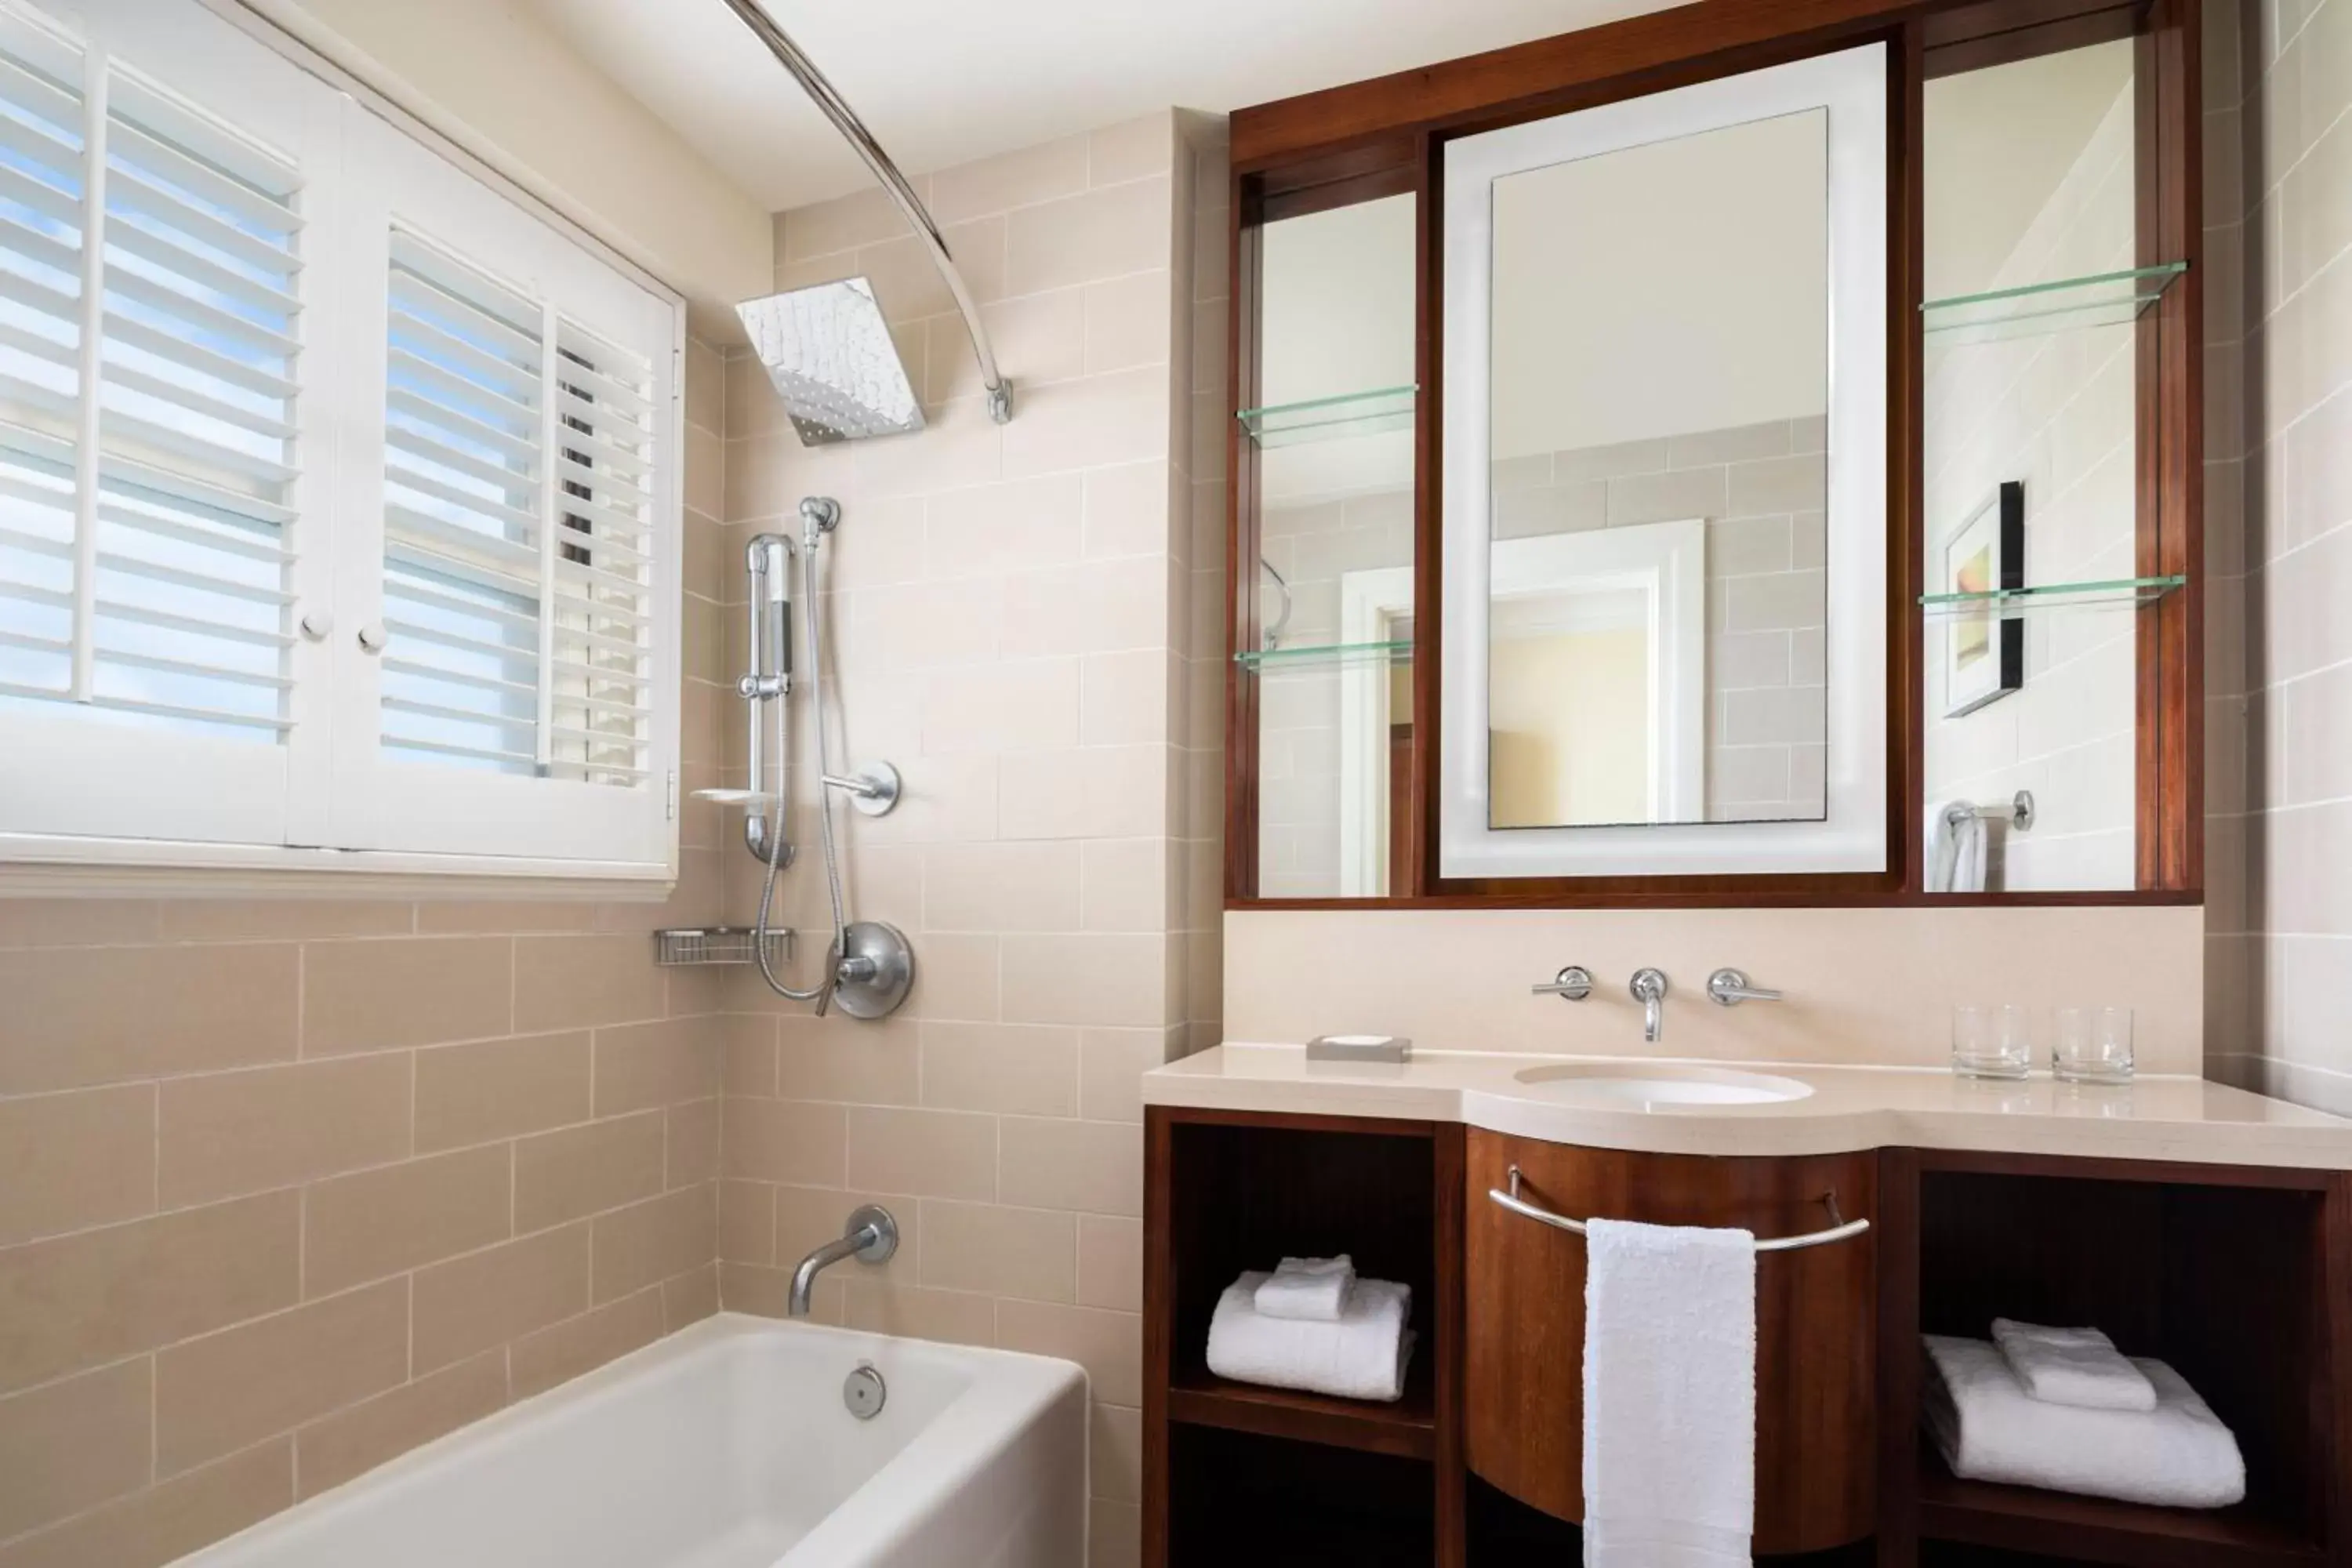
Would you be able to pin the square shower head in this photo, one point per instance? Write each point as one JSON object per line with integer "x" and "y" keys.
{"x": 829, "y": 354}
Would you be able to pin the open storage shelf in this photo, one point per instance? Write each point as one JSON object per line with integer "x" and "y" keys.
{"x": 1408, "y": 1428}
{"x": 2008, "y": 604}
{"x": 1318, "y": 656}
{"x": 2223, "y": 1272}
{"x": 1252, "y": 1474}
{"x": 2094, "y": 1530}
{"x": 1329, "y": 418}
{"x": 1267, "y": 1502}
{"x": 2061, "y": 304}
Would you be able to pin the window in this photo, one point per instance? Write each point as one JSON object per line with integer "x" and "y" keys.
{"x": 338, "y": 502}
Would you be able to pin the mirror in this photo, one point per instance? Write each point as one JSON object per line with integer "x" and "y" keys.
{"x": 1332, "y": 444}
{"x": 1664, "y": 491}
{"x": 1660, "y": 386}
{"x": 2031, "y": 330}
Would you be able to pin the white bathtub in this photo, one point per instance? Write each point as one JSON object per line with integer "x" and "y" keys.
{"x": 727, "y": 1445}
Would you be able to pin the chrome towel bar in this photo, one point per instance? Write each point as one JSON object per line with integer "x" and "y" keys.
{"x": 1840, "y": 1228}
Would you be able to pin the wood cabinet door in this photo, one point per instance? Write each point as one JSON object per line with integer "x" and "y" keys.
{"x": 1815, "y": 1322}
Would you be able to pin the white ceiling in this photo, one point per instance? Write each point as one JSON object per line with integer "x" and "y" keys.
{"x": 942, "y": 81}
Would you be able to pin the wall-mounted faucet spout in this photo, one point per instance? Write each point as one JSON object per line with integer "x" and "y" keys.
{"x": 870, "y": 1236}
{"x": 1649, "y": 988}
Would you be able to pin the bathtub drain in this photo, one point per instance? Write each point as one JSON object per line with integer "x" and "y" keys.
{"x": 864, "y": 1393}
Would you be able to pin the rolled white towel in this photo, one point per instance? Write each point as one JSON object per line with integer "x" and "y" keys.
{"x": 2072, "y": 1366}
{"x": 1310, "y": 1289}
{"x": 2178, "y": 1455}
{"x": 1361, "y": 1356}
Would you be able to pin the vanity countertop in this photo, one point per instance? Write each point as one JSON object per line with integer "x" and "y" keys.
{"x": 1837, "y": 1108}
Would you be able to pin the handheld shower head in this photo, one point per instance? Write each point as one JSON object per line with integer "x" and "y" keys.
{"x": 829, "y": 354}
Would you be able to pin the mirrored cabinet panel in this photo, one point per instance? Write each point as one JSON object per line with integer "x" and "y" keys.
{"x": 1653, "y": 659}
{"x": 1326, "y": 652}
{"x": 2044, "y": 567}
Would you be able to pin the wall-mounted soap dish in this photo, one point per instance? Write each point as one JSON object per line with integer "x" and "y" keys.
{"x": 716, "y": 944}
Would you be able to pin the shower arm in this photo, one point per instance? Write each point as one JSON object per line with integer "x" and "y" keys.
{"x": 911, "y": 205}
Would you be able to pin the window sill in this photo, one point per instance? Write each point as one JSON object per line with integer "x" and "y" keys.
{"x": 60, "y": 866}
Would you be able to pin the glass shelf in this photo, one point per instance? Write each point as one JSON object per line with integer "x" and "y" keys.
{"x": 2105, "y": 299}
{"x": 2008, "y": 604}
{"x": 1329, "y": 418}
{"x": 1311, "y": 655}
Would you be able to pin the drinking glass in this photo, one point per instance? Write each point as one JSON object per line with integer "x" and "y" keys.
{"x": 2092, "y": 1045}
{"x": 1991, "y": 1042}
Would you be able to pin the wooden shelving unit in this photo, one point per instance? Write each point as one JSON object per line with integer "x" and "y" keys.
{"x": 1230, "y": 1467}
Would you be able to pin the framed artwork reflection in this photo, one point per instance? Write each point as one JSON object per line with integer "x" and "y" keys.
{"x": 1984, "y": 653}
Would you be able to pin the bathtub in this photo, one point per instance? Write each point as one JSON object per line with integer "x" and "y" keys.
{"x": 727, "y": 1445}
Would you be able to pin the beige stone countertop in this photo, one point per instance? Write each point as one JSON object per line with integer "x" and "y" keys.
{"x": 1839, "y": 1109}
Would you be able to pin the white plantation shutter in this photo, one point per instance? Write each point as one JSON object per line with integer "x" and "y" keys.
{"x": 151, "y": 352}
{"x": 522, "y": 700}
{"x": 338, "y": 488}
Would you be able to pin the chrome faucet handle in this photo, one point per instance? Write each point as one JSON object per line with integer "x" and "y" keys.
{"x": 1573, "y": 984}
{"x": 1649, "y": 988}
{"x": 1730, "y": 988}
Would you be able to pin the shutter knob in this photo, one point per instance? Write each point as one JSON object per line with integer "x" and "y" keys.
{"x": 372, "y": 636}
{"x": 317, "y": 626}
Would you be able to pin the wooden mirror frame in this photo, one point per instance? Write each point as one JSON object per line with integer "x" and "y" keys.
{"x": 1385, "y": 137}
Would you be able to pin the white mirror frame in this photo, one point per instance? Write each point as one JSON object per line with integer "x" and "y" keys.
{"x": 1852, "y": 86}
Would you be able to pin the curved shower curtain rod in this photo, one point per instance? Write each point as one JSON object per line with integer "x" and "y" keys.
{"x": 911, "y": 205}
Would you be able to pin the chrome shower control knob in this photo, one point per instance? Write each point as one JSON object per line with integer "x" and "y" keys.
{"x": 372, "y": 636}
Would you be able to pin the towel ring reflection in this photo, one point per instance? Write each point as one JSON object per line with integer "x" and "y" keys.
{"x": 1840, "y": 1228}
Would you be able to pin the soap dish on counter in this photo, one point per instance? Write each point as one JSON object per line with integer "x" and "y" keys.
{"x": 1394, "y": 1049}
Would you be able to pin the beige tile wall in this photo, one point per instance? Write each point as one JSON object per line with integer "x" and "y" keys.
{"x": 1025, "y": 620}
{"x": 2281, "y": 838}
{"x": 288, "y": 1187}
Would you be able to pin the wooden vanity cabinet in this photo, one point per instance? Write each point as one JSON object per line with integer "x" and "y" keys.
{"x": 2239, "y": 1277}
{"x": 1816, "y": 1330}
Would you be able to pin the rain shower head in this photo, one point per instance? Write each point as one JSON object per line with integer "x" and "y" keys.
{"x": 829, "y": 354}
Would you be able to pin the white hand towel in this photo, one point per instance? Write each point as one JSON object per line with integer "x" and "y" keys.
{"x": 1361, "y": 1356}
{"x": 2072, "y": 1366}
{"x": 1988, "y": 1428}
{"x": 1310, "y": 1289}
{"x": 1669, "y": 1396}
{"x": 1955, "y": 849}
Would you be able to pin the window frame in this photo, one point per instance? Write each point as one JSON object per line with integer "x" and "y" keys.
{"x": 643, "y": 861}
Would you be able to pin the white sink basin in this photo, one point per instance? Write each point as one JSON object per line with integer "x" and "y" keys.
{"x": 1618, "y": 1086}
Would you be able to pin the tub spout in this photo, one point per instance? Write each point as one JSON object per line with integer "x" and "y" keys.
{"x": 870, "y": 1236}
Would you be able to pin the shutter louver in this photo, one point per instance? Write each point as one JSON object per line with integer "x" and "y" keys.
{"x": 41, "y": 197}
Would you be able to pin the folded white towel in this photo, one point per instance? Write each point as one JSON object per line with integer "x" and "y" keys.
{"x": 2072, "y": 1366}
{"x": 1988, "y": 1428}
{"x": 1310, "y": 1290}
{"x": 1361, "y": 1356}
{"x": 1669, "y": 1396}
